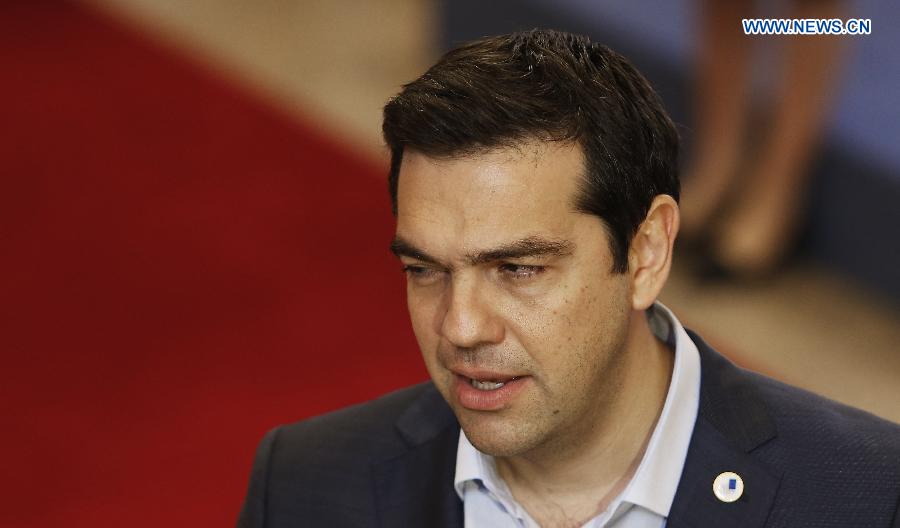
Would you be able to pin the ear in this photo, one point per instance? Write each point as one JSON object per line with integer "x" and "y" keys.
{"x": 650, "y": 254}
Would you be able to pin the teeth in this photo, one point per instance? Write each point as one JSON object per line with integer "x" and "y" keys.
{"x": 486, "y": 385}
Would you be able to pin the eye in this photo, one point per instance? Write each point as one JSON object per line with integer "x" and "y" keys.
{"x": 520, "y": 271}
{"x": 421, "y": 274}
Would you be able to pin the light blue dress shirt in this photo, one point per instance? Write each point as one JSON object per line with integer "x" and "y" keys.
{"x": 646, "y": 500}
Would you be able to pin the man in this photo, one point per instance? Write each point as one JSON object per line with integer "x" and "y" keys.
{"x": 534, "y": 182}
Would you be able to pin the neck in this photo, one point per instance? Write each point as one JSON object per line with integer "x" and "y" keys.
{"x": 583, "y": 475}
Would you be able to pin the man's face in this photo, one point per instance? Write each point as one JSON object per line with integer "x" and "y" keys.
{"x": 520, "y": 321}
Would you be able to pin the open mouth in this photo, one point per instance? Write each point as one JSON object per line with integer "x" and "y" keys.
{"x": 488, "y": 385}
{"x": 488, "y": 391}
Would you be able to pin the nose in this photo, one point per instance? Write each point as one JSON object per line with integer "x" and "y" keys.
{"x": 470, "y": 318}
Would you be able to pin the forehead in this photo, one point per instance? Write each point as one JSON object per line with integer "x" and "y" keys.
{"x": 489, "y": 198}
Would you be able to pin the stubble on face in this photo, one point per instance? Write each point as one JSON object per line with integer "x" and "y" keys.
{"x": 572, "y": 396}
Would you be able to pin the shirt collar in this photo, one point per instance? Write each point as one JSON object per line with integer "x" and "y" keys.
{"x": 475, "y": 468}
{"x": 471, "y": 465}
{"x": 656, "y": 479}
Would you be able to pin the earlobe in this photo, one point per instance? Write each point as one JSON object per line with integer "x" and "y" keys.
{"x": 650, "y": 255}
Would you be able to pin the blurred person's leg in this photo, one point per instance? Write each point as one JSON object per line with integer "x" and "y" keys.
{"x": 758, "y": 231}
{"x": 720, "y": 106}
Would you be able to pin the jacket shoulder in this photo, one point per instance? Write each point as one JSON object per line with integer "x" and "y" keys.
{"x": 364, "y": 430}
{"x": 804, "y": 419}
{"x": 752, "y": 407}
{"x": 321, "y": 469}
{"x": 837, "y": 462}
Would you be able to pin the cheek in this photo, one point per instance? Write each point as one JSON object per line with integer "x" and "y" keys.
{"x": 423, "y": 314}
{"x": 543, "y": 329}
{"x": 569, "y": 333}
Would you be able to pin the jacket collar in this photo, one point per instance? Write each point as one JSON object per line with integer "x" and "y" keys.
{"x": 415, "y": 487}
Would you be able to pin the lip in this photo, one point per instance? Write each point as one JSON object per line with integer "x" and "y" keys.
{"x": 487, "y": 400}
{"x": 485, "y": 374}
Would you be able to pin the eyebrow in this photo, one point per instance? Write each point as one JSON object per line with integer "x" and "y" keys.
{"x": 533, "y": 246}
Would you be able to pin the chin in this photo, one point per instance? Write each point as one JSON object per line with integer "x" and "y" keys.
{"x": 497, "y": 439}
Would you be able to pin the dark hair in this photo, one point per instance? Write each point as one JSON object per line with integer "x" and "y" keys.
{"x": 547, "y": 85}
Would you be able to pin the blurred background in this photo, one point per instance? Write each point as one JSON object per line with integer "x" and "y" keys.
{"x": 194, "y": 222}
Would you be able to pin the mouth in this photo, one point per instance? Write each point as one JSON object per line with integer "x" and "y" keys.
{"x": 487, "y": 391}
{"x": 489, "y": 385}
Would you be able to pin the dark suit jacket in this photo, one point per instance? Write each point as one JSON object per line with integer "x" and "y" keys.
{"x": 805, "y": 461}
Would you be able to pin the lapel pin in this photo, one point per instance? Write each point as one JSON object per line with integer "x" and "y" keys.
{"x": 728, "y": 486}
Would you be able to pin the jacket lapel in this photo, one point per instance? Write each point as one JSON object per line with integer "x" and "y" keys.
{"x": 695, "y": 504}
{"x": 732, "y": 421}
{"x": 415, "y": 487}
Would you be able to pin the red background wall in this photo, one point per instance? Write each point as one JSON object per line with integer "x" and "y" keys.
{"x": 182, "y": 267}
